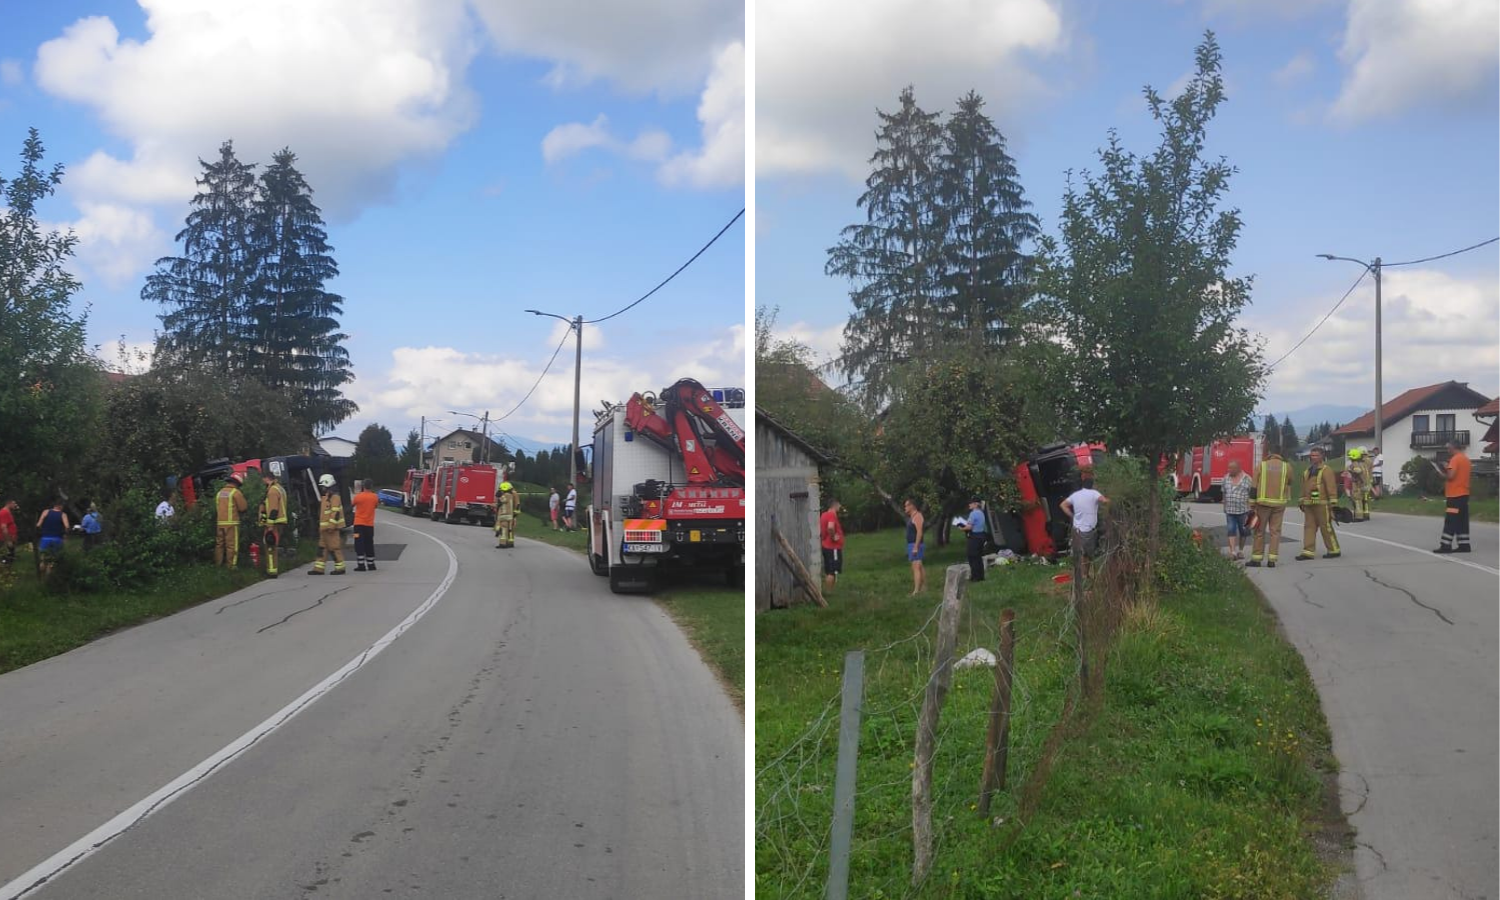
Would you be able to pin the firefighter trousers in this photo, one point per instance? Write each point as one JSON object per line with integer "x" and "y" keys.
{"x": 330, "y": 542}
{"x": 227, "y": 545}
{"x": 364, "y": 544}
{"x": 1360, "y": 497}
{"x": 1456, "y": 525}
{"x": 272, "y": 540}
{"x": 505, "y": 531}
{"x": 1316, "y": 518}
{"x": 1267, "y": 532}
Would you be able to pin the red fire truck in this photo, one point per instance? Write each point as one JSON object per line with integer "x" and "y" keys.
{"x": 416, "y": 491}
{"x": 464, "y": 492}
{"x": 678, "y": 503}
{"x": 1045, "y": 479}
{"x": 1200, "y": 471}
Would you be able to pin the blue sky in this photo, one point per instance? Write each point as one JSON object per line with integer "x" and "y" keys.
{"x": 1361, "y": 128}
{"x": 473, "y": 158}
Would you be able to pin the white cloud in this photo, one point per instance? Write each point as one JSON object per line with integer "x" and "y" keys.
{"x": 822, "y": 69}
{"x": 114, "y": 239}
{"x": 720, "y": 162}
{"x": 1435, "y": 327}
{"x": 1296, "y": 70}
{"x": 431, "y": 380}
{"x": 645, "y": 45}
{"x": 1402, "y": 54}
{"x": 11, "y": 74}
{"x": 826, "y": 343}
{"x": 355, "y": 87}
{"x": 574, "y": 138}
{"x": 1242, "y": 10}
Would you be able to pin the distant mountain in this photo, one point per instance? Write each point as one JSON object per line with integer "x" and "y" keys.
{"x": 1308, "y": 416}
{"x": 530, "y": 446}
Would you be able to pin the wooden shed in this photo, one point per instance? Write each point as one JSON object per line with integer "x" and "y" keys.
{"x": 787, "y": 502}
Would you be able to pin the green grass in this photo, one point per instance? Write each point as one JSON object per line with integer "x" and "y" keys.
{"x": 1182, "y": 783}
{"x": 36, "y": 625}
{"x": 1480, "y": 509}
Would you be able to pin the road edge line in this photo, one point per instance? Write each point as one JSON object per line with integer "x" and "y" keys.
{"x": 81, "y": 849}
{"x": 1443, "y": 557}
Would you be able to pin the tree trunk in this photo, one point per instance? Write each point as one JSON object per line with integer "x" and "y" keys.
{"x": 1153, "y": 528}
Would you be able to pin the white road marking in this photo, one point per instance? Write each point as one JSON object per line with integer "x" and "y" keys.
{"x": 87, "y": 845}
{"x": 1443, "y": 557}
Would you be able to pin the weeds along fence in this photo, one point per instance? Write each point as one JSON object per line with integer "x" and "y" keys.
{"x": 1062, "y": 635}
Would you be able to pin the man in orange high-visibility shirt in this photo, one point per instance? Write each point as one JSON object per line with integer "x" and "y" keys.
{"x": 364, "y": 502}
{"x": 1456, "y": 490}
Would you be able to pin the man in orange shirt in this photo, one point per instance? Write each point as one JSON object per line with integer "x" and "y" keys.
{"x": 364, "y": 502}
{"x": 1456, "y": 490}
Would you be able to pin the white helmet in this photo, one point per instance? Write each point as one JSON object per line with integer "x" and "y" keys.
{"x": 326, "y": 481}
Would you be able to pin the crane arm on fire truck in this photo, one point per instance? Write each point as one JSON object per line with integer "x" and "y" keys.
{"x": 687, "y": 410}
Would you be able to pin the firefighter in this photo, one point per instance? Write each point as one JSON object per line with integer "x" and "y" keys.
{"x": 330, "y": 524}
{"x": 1319, "y": 492}
{"x": 507, "y": 507}
{"x": 273, "y": 512}
{"x": 1359, "y": 487}
{"x": 1273, "y": 488}
{"x": 230, "y": 505}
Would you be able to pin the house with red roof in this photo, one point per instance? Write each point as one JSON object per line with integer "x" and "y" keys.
{"x": 1491, "y": 412}
{"x": 1420, "y": 422}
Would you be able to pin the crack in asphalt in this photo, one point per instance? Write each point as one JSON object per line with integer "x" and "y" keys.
{"x": 1303, "y": 591}
{"x": 1378, "y": 855}
{"x": 1365, "y": 796}
{"x": 317, "y": 603}
{"x": 1434, "y": 610}
{"x": 258, "y": 596}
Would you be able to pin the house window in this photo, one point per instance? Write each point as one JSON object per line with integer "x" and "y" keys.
{"x": 453, "y": 445}
{"x": 1419, "y": 424}
{"x": 1445, "y": 422}
{"x": 467, "y": 445}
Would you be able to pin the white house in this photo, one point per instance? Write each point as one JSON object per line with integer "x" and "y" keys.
{"x": 337, "y": 446}
{"x": 458, "y": 447}
{"x": 1419, "y": 422}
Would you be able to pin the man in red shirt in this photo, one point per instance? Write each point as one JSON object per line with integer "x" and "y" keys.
{"x": 831, "y": 531}
{"x": 1456, "y": 491}
{"x": 8, "y": 533}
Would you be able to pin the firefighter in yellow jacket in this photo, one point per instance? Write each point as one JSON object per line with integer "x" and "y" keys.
{"x": 1319, "y": 493}
{"x": 273, "y": 517}
{"x": 1359, "y": 489}
{"x": 330, "y": 525}
{"x": 1273, "y": 489}
{"x": 229, "y": 504}
{"x": 507, "y": 507}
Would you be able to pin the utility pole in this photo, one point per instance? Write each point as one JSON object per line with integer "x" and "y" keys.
{"x": 577, "y": 387}
{"x": 484, "y": 455}
{"x": 1379, "y": 413}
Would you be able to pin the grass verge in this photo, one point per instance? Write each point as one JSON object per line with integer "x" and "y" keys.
{"x": 36, "y": 625}
{"x": 1480, "y": 509}
{"x": 1196, "y": 776}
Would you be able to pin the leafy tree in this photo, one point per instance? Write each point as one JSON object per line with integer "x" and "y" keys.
{"x": 1272, "y": 430}
{"x": 208, "y": 320}
{"x": 49, "y": 386}
{"x": 297, "y": 342}
{"x": 985, "y": 275}
{"x": 1138, "y": 294}
{"x": 375, "y": 444}
{"x": 895, "y": 258}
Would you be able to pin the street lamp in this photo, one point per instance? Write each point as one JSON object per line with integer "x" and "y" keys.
{"x": 576, "y": 324}
{"x": 1379, "y": 439}
{"x": 422, "y": 437}
{"x": 484, "y": 455}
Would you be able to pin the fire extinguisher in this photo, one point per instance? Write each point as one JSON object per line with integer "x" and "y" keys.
{"x": 255, "y": 556}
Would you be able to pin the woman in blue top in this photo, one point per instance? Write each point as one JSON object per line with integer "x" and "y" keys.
{"x": 93, "y": 528}
{"x": 916, "y": 529}
{"x": 53, "y": 524}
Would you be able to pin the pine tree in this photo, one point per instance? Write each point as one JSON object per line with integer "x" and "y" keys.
{"x": 894, "y": 259}
{"x": 206, "y": 290}
{"x": 1289, "y": 435}
{"x": 297, "y": 343}
{"x": 411, "y": 453}
{"x": 986, "y": 276}
{"x": 1272, "y": 430}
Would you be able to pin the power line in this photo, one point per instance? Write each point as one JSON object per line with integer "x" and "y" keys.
{"x": 1335, "y": 309}
{"x": 673, "y": 275}
{"x": 1412, "y": 262}
{"x": 539, "y": 378}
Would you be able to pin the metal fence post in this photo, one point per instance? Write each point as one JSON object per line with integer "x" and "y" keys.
{"x": 843, "y": 781}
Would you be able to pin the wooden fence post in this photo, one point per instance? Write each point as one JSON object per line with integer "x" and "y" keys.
{"x": 954, "y": 588}
{"x": 843, "y": 781}
{"x": 997, "y": 741}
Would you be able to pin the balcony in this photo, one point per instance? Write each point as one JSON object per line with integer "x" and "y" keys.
{"x": 1436, "y": 440}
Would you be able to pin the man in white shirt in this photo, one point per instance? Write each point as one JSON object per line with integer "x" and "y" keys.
{"x": 570, "y": 508}
{"x": 164, "y": 510}
{"x": 1083, "y": 505}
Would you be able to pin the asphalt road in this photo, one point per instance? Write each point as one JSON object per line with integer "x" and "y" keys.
{"x": 1402, "y": 645}
{"x": 526, "y": 734}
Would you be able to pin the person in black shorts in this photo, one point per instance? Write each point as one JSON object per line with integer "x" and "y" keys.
{"x": 831, "y": 536}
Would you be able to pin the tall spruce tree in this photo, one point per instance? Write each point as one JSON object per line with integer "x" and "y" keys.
{"x": 894, "y": 259}
{"x": 986, "y": 276}
{"x": 297, "y": 343}
{"x": 1272, "y": 431}
{"x": 208, "y": 321}
{"x": 1289, "y": 439}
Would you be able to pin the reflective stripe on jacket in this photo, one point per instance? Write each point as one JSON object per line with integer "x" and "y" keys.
{"x": 332, "y": 513}
{"x": 1320, "y": 488}
{"x": 274, "y": 507}
{"x": 230, "y": 504}
{"x": 1273, "y": 483}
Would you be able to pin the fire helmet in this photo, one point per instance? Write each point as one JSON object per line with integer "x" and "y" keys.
{"x": 1356, "y": 453}
{"x": 326, "y": 481}
{"x": 236, "y": 479}
{"x": 505, "y": 486}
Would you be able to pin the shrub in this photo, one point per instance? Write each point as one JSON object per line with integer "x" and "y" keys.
{"x": 139, "y": 549}
{"x": 1418, "y": 475}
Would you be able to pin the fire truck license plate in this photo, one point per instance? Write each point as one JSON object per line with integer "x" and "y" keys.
{"x": 644, "y": 548}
